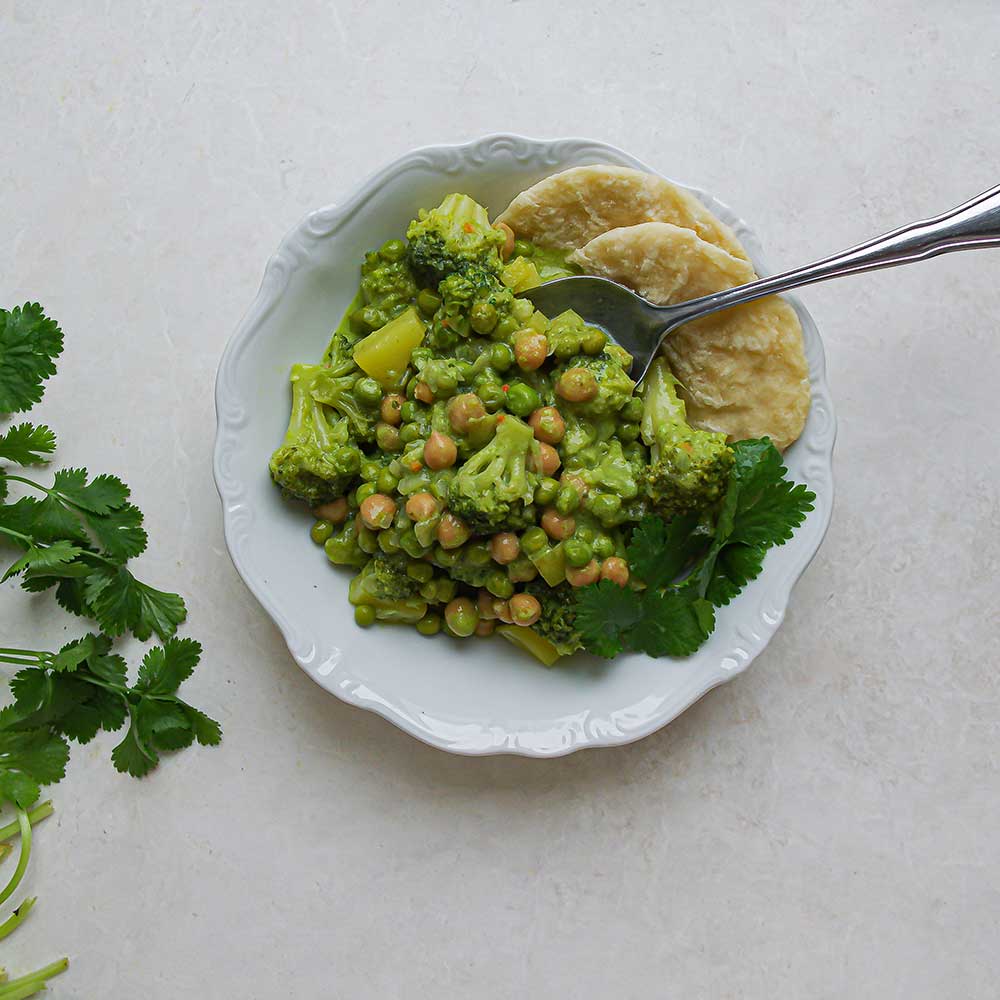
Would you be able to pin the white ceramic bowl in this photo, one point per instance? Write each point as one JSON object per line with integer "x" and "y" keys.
{"x": 472, "y": 697}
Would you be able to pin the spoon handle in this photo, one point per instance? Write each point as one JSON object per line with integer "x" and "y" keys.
{"x": 974, "y": 224}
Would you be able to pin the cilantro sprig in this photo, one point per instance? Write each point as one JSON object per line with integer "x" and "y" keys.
{"x": 77, "y": 535}
{"x": 690, "y": 567}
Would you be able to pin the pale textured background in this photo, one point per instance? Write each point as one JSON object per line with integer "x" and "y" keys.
{"x": 824, "y": 826}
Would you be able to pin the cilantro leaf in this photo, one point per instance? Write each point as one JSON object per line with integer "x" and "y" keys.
{"x": 673, "y": 623}
{"x": 29, "y": 341}
{"x": 166, "y": 726}
{"x": 27, "y": 760}
{"x": 27, "y": 444}
{"x": 76, "y": 652}
{"x": 660, "y": 549}
{"x": 120, "y": 602}
{"x": 102, "y": 494}
{"x": 133, "y": 756}
{"x": 735, "y": 566}
{"x": 44, "y": 558}
{"x": 206, "y": 730}
{"x": 605, "y": 614}
{"x": 119, "y": 532}
{"x": 164, "y": 668}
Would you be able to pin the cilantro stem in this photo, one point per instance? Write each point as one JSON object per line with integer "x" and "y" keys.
{"x": 42, "y": 811}
{"x": 17, "y": 534}
{"x": 29, "y": 985}
{"x": 17, "y": 917}
{"x": 22, "y": 862}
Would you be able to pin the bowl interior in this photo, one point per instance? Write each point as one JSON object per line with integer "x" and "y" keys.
{"x": 470, "y": 696}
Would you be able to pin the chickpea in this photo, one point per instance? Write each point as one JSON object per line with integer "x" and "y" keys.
{"x": 440, "y": 451}
{"x": 387, "y": 436}
{"x": 525, "y": 609}
{"x": 484, "y": 602}
{"x": 531, "y": 349}
{"x": 576, "y": 385}
{"x": 556, "y": 525}
{"x": 391, "y": 410}
{"x": 485, "y": 628}
{"x": 423, "y": 393}
{"x": 546, "y": 462}
{"x": 421, "y": 507}
{"x": 548, "y": 424}
{"x": 615, "y": 570}
{"x": 505, "y": 547}
{"x": 507, "y": 248}
{"x": 377, "y": 511}
{"x": 461, "y": 616}
{"x": 451, "y": 532}
{"x": 502, "y": 610}
{"x": 569, "y": 479}
{"x": 581, "y": 576}
{"x": 463, "y": 409}
{"x": 335, "y": 511}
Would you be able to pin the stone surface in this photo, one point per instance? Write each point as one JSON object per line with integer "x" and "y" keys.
{"x": 825, "y": 825}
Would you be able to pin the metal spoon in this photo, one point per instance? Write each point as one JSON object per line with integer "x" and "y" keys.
{"x": 641, "y": 327}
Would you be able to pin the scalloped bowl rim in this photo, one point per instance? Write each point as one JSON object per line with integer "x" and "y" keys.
{"x": 573, "y": 732}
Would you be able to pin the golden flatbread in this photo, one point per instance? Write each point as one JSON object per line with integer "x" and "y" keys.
{"x": 570, "y": 208}
{"x": 742, "y": 371}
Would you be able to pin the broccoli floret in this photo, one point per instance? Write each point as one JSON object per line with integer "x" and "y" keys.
{"x": 472, "y": 564}
{"x": 337, "y": 392}
{"x": 384, "y": 584}
{"x": 317, "y": 460}
{"x": 442, "y": 376}
{"x": 616, "y": 471}
{"x": 454, "y": 238}
{"x": 569, "y": 335}
{"x": 493, "y": 490}
{"x": 603, "y": 379}
{"x": 558, "y": 619}
{"x": 689, "y": 468}
{"x": 387, "y": 288}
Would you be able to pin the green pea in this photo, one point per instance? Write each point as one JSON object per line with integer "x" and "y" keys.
{"x": 585, "y": 533}
{"x": 603, "y": 547}
{"x": 364, "y": 615}
{"x": 392, "y": 250}
{"x": 387, "y": 437}
{"x": 521, "y": 310}
{"x": 546, "y": 491}
{"x": 386, "y": 482}
{"x": 522, "y": 248}
{"x": 593, "y": 341}
{"x": 628, "y": 433}
{"x": 483, "y": 317}
{"x": 605, "y": 506}
{"x": 462, "y": 617}
{"x": 446, "y": 589}
{"x": 368, "y": 391}
{"x": 534, "y": 540}
{"x": 367, "y": 540}
{"x": 522, "y": 399}
{"x": 499, "y": 585}
{"x": 388, "y": 541}
{"x": 420, "y": 571}
{"x": 506, "y": 327}
{"x": 428, "y": 591}
{"x": 445, "y": 384}
{"x": 428, "y": 302}
{"x": 409, "y": 411}
{"x": 478, "y": 554}
{"x": 568, "y": 499}
{"x": 364, "y": 491}
{"x": 577, "y": 552}
{"x": 430, "y": 624}
{"x": 440, "y": 486}
{"x": 410, "y": 544}
{"x": 370, "y": 470}
{"x": 445, "y": 557}
{"x": 501, "y": 356}
{"x": 492, "y": 396}
{"x": 347, "y": 459}
{"x": 632, "y": 410}
{"x": 321, "y": 531}
{"x": 565, "y": 349}
{"x": 409, "y": 433}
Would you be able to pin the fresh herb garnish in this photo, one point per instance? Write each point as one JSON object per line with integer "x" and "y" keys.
{"x": 688, "y": 568}
{"x": 77, "y": 535}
